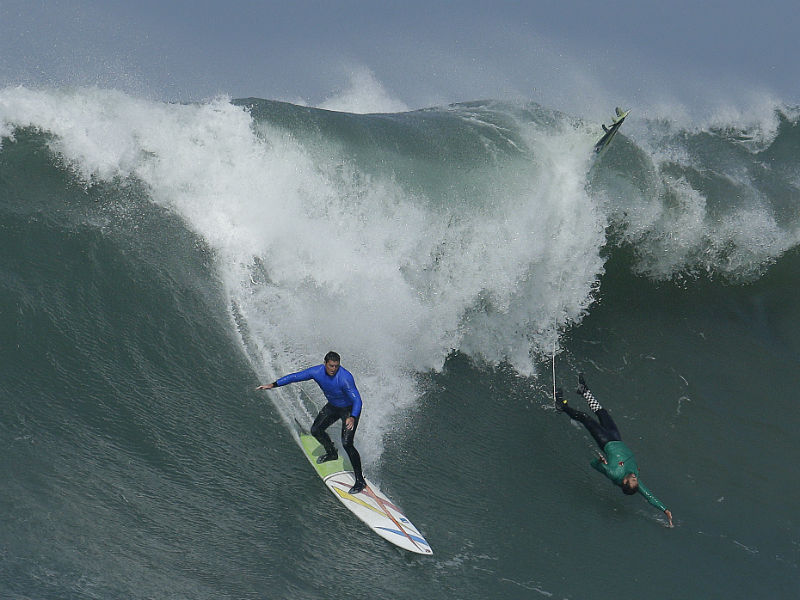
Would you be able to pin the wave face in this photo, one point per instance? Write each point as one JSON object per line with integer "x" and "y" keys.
{"x": 160, "y": 259}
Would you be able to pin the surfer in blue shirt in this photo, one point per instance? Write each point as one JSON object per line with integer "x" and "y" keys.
{"x": 344, "y": 402}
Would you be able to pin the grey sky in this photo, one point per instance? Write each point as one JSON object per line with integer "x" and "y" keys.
{"x": 574, "y": 54}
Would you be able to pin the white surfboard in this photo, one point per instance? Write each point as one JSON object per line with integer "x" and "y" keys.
{"x": 371, "y": 505}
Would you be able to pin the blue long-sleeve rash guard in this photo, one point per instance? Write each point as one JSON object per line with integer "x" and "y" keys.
{"x": 340, "y": 390}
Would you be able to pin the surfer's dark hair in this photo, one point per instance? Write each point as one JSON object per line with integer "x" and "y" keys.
{"x": 332, "y": 357}
{"x": 629, "y": 489}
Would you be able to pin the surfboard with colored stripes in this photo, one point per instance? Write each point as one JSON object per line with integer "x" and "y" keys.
{"x": 371, "y": 505}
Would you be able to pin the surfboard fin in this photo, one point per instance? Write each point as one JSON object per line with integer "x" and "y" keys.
{"x": 620, "y": 114}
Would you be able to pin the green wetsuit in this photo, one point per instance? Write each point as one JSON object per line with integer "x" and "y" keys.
{"x": 620, "y": 463}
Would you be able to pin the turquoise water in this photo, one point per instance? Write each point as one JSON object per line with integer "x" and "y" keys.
{"x": 158, "y": 262}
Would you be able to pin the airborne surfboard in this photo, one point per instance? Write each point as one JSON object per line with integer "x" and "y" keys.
{"x": 610, "y": 132}
{"x": 370, "y": 505}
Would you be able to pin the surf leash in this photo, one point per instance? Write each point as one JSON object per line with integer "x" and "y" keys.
{"x": 555, "y": 339}
{"x": 554, "y": 374}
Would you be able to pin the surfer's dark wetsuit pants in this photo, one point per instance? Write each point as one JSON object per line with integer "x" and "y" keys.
{"x": 327, "y": 417}
{"x": 603, "y": 431}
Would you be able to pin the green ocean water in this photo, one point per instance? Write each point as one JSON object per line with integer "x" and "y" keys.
{"x": 158, "y": 262}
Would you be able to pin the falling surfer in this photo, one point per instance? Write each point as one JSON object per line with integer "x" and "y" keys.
{"x": 616, "y": 460}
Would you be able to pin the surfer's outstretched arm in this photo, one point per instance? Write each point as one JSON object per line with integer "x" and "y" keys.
{"x": 292, "y": 378}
